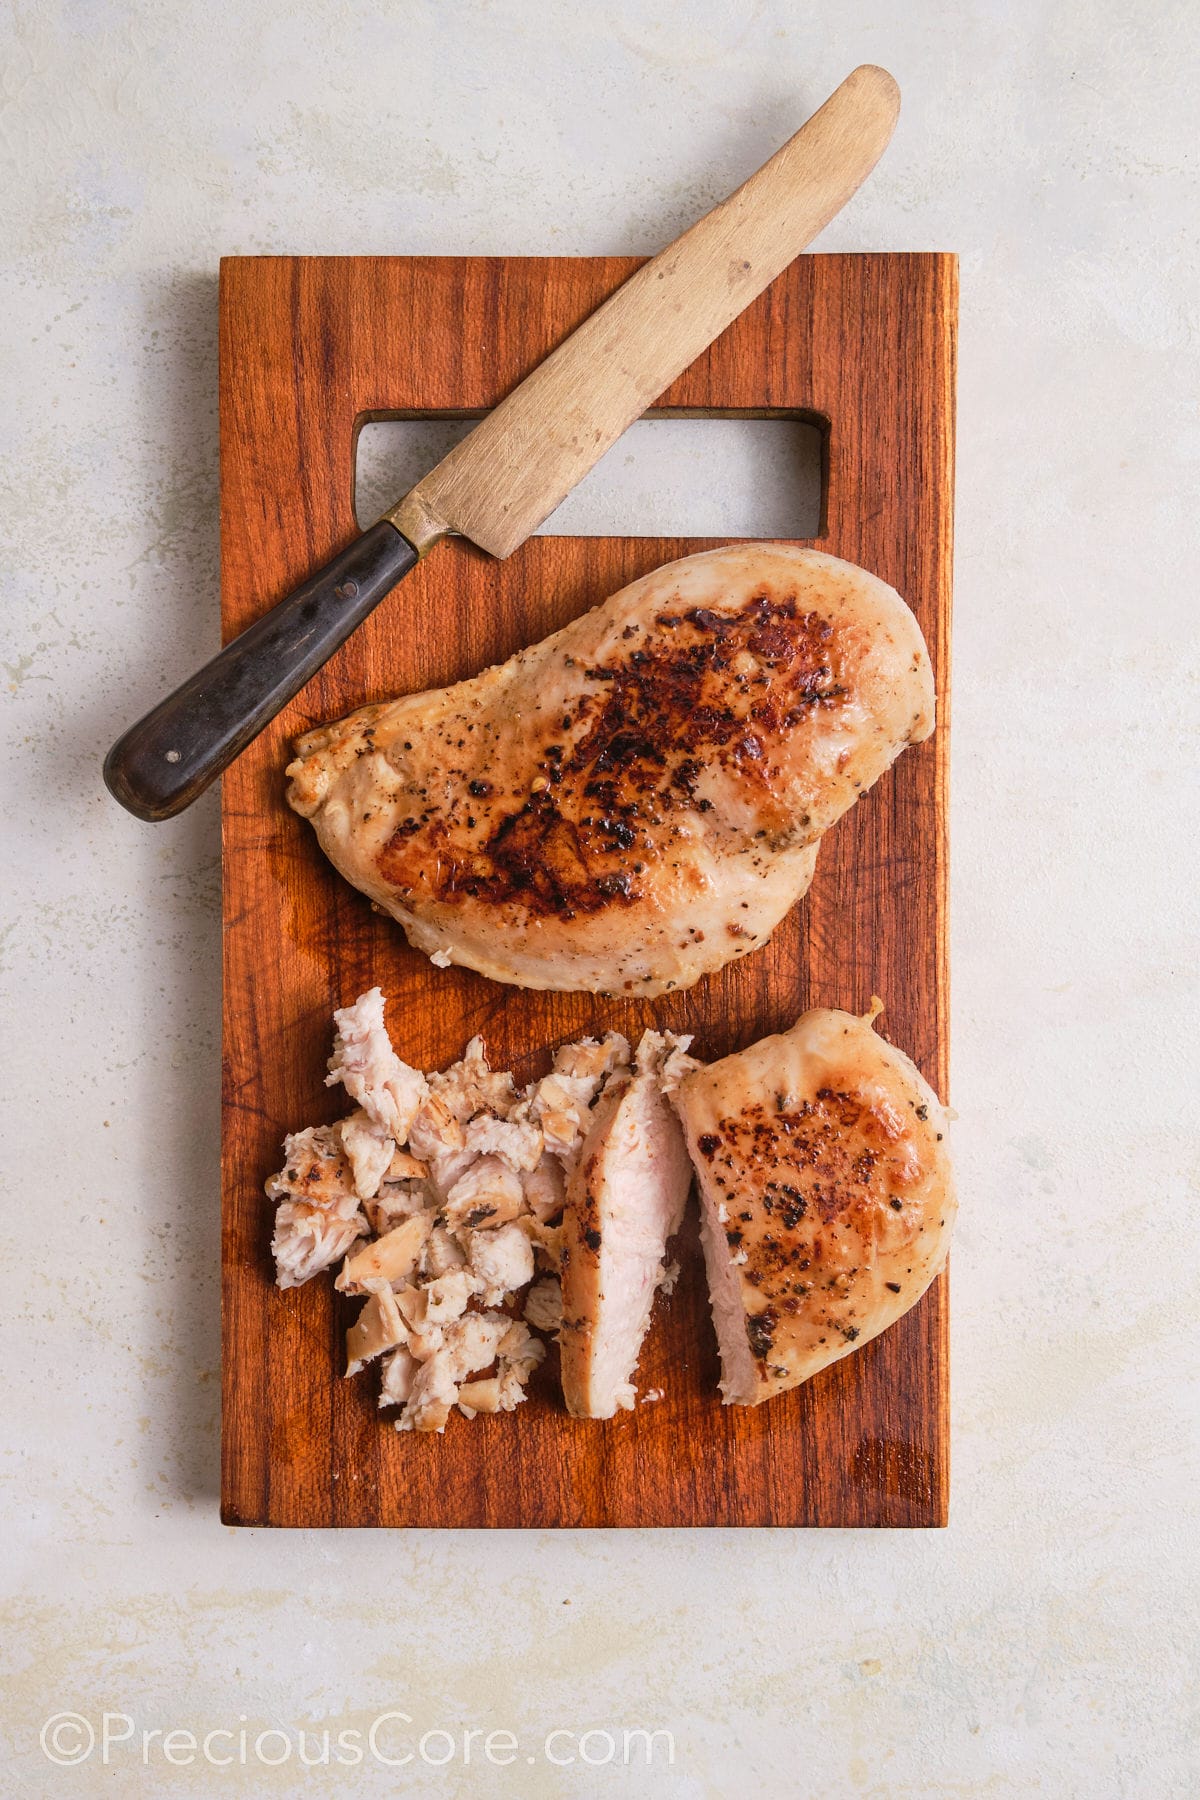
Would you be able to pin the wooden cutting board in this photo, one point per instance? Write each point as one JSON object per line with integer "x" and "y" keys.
{"x": 310, "y": 348}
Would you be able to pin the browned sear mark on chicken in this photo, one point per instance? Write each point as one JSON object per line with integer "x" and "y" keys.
{"x": 812, "y": 1158}
{"x": 709, "y": 689}
{"x": 760, "y": 1328}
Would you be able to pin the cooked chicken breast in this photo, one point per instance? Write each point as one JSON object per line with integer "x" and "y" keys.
{"x": 826, "y": 1192}
{"x": 636, "y": 800}
{"x": 625, "y": 1198}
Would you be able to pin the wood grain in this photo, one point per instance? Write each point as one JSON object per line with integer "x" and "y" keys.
{"x": 310, "y": 347}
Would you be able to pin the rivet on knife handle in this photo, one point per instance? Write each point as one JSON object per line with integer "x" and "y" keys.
{"x": 168, "y": 758}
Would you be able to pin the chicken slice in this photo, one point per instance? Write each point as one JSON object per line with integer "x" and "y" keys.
{"x": 827, "y": 1197}
{"x": 636, "y": 800}
{"x": 624, "y": 1200}
{"x": 318, "y": 1216}
{"x": 369, "y": 1069}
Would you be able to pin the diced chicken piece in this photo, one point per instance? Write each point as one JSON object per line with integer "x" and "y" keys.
{"x": 315, "y": 1169}
{"x": 406, "y": 1167}
{"x": 378, "y": 1327}
{"x": 396, "y": 1380}
{"x": 431, "y": 1396}
{"x": 438, "y": 1302}
{"x": 560, "y": 1101}
{"x": 391, "y": 1258}
{"x": 397, "y": 1201}
{"x": 318, "y": 1216}
{"x": 466, "y": 1117}
{"x": 443, "y": 1254}
{"x": 676, "y": 1064}
{"x": 547, "y": 1241}
{"x": 425, "y": 1335}
{"x": 589, "y": 1060}
{"x": 445, "y": 1172}
{"x": 562, "y": 1119}
{"x": 517, "y": 1357}
{"x": 435, "y": 1131}
{"x": 308, "y": 1239}
{"x": 488, "y": 1194}
{"x": 469, "y": 1344}
{"x": 624, "y": 1200}
{"x": 369, "y": 1069}
{"x": 479, "y": 1396}
{"x": 518, "y": 1141}
{"x": 519, "y": 1346}
{"x": 471, "y": 1085}
{"x": 472, "y": 1342}
{"x": 543, "y": 1304}
{"x": 545, "y": 1188}
{"x": 827, "y": 1198}
{"x": 501, "y": 1261}
{"x": 512, "y": 1382}
{"x": 448, "y": 1295}
{"x": 369, "y": 1150}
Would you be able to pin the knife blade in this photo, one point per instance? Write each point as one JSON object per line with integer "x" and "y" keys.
{"x": 503, "y": 480}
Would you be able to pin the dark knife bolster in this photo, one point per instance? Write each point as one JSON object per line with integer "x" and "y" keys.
{"x": 164, "y": 761}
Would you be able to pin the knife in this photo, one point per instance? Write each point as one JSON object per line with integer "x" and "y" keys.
{"x": 499, "y": 484}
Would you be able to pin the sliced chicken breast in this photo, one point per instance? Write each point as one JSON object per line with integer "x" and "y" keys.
{"x": 636, "y": 800}
{"x": 826, "y": 1193}
{"x": 625, "y": 1199}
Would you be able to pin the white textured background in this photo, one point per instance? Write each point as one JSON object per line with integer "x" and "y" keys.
{"x": 1041, "y": 1646}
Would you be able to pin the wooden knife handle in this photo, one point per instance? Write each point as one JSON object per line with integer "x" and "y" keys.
{"x": 168, "y": 758}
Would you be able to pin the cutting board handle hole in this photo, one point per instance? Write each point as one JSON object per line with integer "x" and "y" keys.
{"x": 673, "y": 474}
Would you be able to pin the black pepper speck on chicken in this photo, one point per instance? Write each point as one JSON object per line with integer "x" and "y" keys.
{"x": 635, "y": 801}
{"x": 827, "y": 1199}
